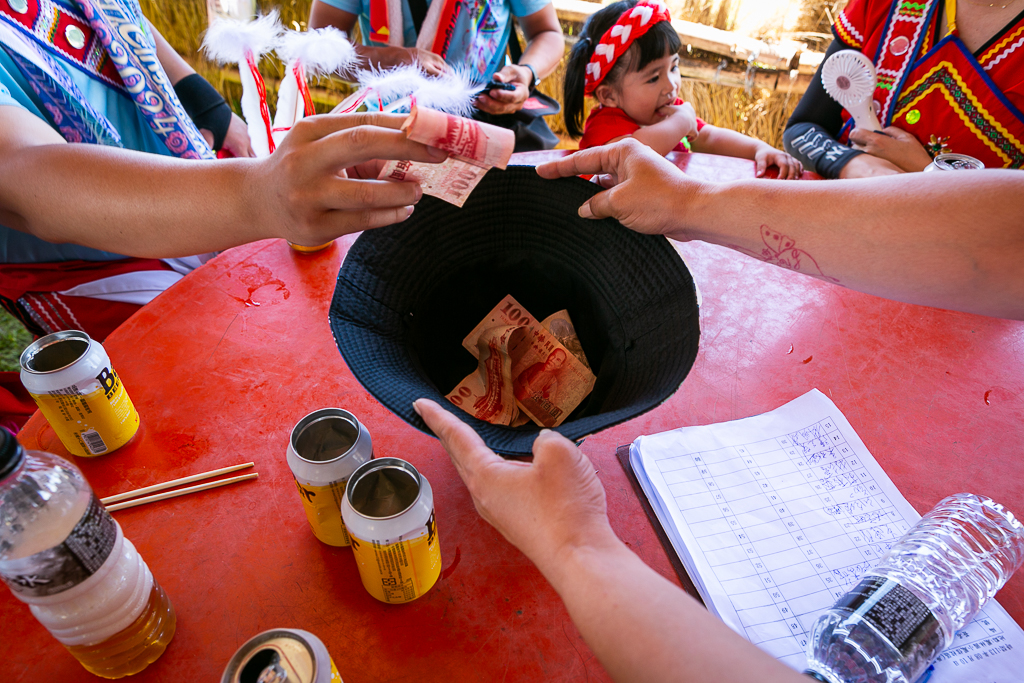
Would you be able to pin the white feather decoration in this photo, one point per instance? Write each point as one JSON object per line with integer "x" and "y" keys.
{"x": 243, "y": 43}
{"x": 321, "y": 51}
{"x": 849, "y": 77}
{"x": 228, "y": 40}
{"x": 392, "y": 84}
{"x": 453, "y": 93}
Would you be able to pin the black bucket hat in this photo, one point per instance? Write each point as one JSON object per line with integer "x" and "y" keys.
{"x": 409, "y": 293}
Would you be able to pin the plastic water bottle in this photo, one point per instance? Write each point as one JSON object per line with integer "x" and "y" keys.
{"x": 905, "y": 611}
{"x": 63, "y": 554}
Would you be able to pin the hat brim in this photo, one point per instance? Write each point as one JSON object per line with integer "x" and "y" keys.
{"x": 409, "y": 293}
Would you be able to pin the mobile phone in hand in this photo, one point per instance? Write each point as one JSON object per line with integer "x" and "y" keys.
{"x": 494, "y": 85}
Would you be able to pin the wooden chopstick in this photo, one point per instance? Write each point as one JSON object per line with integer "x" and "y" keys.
{"x": 181, "y": 492}
{"x": 172, "y": 484}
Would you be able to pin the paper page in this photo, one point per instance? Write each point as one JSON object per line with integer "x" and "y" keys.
{"x": 775, "y": 516}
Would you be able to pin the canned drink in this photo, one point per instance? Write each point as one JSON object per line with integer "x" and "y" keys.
{"x": 954, "y": 162}
{"x": 309, "y": 250}
{"x": 389, "y": 512}
{"x": 70, "y": 377}
{"x": 324, "y": 450}
{"x": 282, "y": 655}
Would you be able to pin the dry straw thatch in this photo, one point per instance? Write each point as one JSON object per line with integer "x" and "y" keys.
{"x": 760, "y": 113}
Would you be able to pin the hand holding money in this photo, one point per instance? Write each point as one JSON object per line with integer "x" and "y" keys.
{"x": 528, "y": 370}
{"x": 474, "y": 148}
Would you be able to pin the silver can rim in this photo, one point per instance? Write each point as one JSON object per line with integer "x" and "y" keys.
{"x": 33, "y": 349}
{"x": 322, "y": 414}
{"x": 314, "y": 645}
{"x": 941, "y": 161}
{"x": 380, "y": 464}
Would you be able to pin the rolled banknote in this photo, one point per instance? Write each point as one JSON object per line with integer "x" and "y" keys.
{"x": 474, "y": 148}
{"x": 465, "y": 138}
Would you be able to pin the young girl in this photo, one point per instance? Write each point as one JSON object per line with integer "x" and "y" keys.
{"x": 627, "y": 59}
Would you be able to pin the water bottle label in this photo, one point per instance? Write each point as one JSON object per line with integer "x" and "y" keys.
{"x": 66, "y": 565}
{"x": 897, "y": 613}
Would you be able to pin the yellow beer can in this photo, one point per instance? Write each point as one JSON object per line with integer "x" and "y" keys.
{"x": 389, "y": 512}
{"x": 70, "y": 377}
{"x": 309, "y": 250}
{"x": 324, "y": 449}
{"x": 282, "y": 655}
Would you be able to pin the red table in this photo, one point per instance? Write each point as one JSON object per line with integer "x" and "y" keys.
{"x": 222, "y": 365}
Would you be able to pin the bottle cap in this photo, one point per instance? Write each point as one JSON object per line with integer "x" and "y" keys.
{"x": 11, "y": 453}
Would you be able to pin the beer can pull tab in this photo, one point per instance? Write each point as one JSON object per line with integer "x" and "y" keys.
{"x": 282, "y": 656}
{"x": 265, "y": 667}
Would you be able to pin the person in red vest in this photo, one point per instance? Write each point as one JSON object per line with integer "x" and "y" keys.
{"x": 950, "y": 79}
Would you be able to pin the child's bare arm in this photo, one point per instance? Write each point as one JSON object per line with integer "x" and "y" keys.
{"x": 664, "y": 135}
{"x": 725, "y": 142}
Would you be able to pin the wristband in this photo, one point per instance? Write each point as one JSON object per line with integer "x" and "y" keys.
{"x": 205, "y": 106}
{"x": 533, "y": 82}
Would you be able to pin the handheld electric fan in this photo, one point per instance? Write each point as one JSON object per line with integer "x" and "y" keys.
{"x": 849, "y": 77}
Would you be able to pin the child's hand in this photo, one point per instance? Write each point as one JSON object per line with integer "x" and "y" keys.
{"x": 682, "y": 115}
{"x": 789, "y": 168}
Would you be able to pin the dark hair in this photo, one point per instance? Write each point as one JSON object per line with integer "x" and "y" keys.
{"x": 660, "y": 40}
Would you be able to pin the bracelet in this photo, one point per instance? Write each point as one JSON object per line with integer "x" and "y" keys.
{"x": 533, "y": 82}
{"x": 205, "y": 106}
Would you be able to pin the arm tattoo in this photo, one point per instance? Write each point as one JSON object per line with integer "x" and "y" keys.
{"x": 781, "y": 250}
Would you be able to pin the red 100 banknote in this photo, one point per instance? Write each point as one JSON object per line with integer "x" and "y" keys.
{"x": 547, "y": 380}
{"x": 474, "y": 148}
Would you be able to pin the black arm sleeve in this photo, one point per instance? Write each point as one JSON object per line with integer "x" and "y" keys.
{"x": 205, "y": 106}
{"x": 811, "y": 132}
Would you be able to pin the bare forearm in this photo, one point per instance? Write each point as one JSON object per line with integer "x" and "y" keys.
{"x": 643, "y": 628}
{"x": 663, "y": 136}
{"x": 725, "y": 142}
{"x": 164, "y": 207}
{"x": 321, "y": 15}
{"x": 544, "y": 52}
{"x": 952, "y": 241}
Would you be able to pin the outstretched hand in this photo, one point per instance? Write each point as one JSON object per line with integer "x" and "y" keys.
{"x": 300, "y": 189}
{"x": 555, "y": 504}
{"x": 644, "y": 191}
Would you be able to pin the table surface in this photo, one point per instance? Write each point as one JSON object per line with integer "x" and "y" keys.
{"x": 223, "y": 365}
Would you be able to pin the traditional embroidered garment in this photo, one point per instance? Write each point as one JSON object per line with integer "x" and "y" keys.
{"x": 608, "y": 123}
{"x": 55, "y": 63}
{"x": 109, "y": 41}
{"x": 41, "y": 295}
{"x": 933, "y": 87}
{"x": 471, "y": 34}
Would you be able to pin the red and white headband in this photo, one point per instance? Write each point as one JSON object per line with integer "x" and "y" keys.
{"x": 616, "y": 41}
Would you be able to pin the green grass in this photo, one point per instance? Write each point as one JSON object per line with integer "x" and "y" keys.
{"x": 13, "y": 340}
